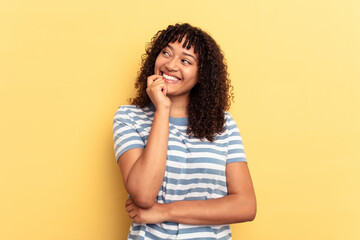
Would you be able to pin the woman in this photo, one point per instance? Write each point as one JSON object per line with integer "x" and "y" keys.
{"x": 180, "y": 154}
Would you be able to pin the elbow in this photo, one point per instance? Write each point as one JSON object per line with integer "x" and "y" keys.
{"x": 251, "y": 212}
{"x": 246, "y": 211}
{"x": 252, "y": 215}
{"x": 252, "y": 208}
{"x": 247, "y": 216}
{"x": 142, "y": 198}
{"x": 144, "y": 202}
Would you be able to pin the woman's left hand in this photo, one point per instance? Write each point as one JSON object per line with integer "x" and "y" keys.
{"x": 155, "y": 214}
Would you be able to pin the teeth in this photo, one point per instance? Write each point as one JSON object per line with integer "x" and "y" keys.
{"x": 170, "y": 77}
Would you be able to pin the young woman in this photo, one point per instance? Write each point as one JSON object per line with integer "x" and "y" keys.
{"x": 181, "y": 155}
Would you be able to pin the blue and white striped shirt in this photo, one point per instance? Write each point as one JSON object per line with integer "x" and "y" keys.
{"x": 195, "y": 169}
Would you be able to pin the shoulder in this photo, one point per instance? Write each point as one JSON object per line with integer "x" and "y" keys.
{"x": 132, "y": 109}
{"x": 228, "y": 116}
{"x": 124, "y": 112}
{"x": 127, "y": 109}
{"x": 132, "y": 112}
{"x": 229, "y": 121}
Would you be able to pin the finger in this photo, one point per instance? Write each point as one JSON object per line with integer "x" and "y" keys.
{"x": 162, "y": 86}
{"x": 157, "y": 81}
{"x": 159, "y": 87}
{"x": 132, "y": 214}
{"x": 159, "y": 84}
{"x": 136, "y": 219}
{"x": 130, "y": 207}
{"x": 152, "y": 78}
{"x": 128, "y": 202}
{"x": 164, "y": 90}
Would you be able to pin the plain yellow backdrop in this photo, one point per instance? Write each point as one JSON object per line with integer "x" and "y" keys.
{"x": 65, "y": 67}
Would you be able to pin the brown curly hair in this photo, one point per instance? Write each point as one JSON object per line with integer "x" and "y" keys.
{"x": 212, "y": 94}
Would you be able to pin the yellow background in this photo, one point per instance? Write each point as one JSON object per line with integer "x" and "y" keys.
{"x": 65, "y": 67}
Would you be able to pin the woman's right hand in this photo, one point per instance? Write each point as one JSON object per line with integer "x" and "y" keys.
{"x": 156, "y": 90}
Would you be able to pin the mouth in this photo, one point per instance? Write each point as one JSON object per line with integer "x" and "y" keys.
{"x": 169, "y": 78}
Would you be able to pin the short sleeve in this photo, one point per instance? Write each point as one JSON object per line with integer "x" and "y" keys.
{"x": 236, "y": 151}
{"x": 125, "y": 135}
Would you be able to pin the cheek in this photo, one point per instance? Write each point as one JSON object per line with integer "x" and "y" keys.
{"x": 192, "y": 73}
{"x": 157, "y": 64}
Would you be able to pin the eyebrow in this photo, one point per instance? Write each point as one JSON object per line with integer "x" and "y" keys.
{"x": 187, "y": 54}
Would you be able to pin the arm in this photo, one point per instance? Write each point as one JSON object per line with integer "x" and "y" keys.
{"x": 143, "y": 170}
{"x": 238, "y": 206}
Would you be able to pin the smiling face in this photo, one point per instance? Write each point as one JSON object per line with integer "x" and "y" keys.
{"x": 179, "y": 68}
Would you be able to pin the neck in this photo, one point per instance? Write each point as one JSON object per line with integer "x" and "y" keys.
{"x": 179, "y": 105}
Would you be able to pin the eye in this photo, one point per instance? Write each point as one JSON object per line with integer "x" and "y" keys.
{"x": 165, "y": 53}
{"x": 186, "y": 61}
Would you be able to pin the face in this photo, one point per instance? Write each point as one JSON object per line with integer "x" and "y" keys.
{"x": 179, "y": 68}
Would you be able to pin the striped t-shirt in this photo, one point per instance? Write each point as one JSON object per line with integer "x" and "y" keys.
{"x": 195, "y": 169}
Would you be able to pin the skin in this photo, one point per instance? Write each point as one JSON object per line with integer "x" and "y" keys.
{"x": 182, "y": 64}
{"x": 143, "y": 170}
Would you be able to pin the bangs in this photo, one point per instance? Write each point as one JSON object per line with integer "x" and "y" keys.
{"x": 191, "y": 34}
{"x": 188, "y": 43}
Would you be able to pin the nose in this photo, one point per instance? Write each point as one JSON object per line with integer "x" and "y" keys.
{"x": 172, "y": 64}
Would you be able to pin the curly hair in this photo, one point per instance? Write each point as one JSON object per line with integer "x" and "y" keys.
{"x": 212, "y": 94}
